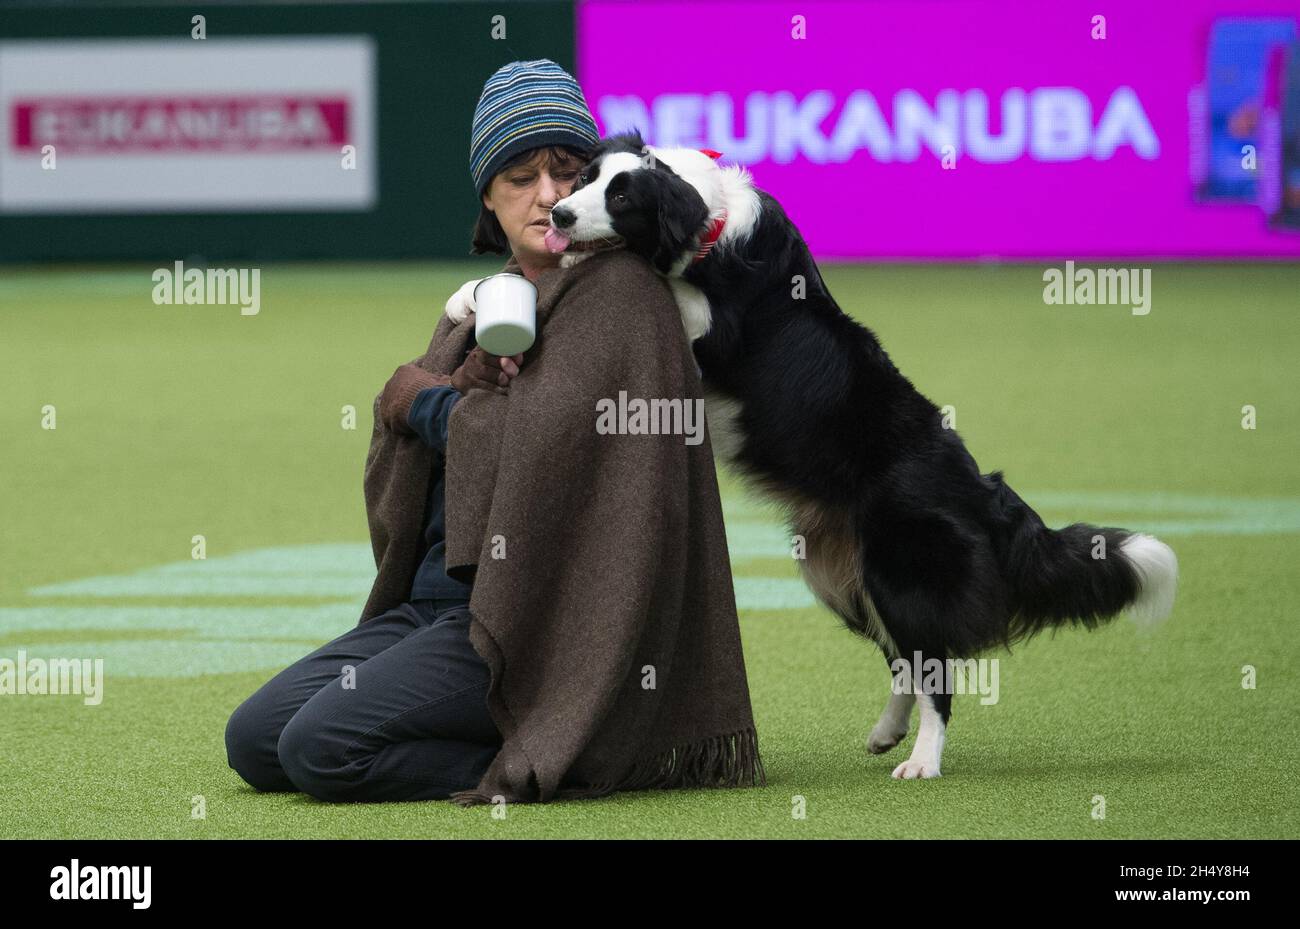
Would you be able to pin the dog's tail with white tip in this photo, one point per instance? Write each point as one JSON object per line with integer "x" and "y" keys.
{"x": 1084, "y": 575}
{"x": 1157, "y": 569}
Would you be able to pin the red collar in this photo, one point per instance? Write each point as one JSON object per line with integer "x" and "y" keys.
{"x": 710, "y": 237}
{"x": 715, "y": 226}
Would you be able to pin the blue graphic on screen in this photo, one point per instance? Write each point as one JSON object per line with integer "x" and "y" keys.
{"x": 1237, "y": 70}
{"x": 1289, "y": 213}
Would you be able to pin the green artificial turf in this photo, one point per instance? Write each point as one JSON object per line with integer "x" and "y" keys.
{"x": 174, "y": 421}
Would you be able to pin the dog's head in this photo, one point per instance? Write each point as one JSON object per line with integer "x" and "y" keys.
{"x": 655, "y": 202}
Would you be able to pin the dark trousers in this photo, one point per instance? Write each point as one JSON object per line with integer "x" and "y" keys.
{"x": 408, "y": 722}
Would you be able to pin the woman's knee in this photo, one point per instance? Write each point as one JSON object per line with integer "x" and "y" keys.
{"x": 326, "y": 769}
{"x": 313, "y": 763}
{"x": 251, "y": 749}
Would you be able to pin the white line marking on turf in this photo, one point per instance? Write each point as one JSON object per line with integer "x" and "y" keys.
{"x": 211, "y": 639}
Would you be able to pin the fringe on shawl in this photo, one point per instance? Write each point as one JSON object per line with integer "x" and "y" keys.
{"x": 728, "y": 760}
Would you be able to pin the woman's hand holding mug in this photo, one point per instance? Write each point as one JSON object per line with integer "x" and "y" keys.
{"x": 480, "y": 370}
{"x": 486, "y": 371}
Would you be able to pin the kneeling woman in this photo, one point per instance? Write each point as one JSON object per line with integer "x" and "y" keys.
{"x": 565, "y": 626}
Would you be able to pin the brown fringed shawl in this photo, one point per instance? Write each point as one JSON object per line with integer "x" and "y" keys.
{"x": 603, "y": 599}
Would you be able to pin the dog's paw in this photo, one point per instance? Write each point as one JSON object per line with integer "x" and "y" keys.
{"x": 569, "y": 259}
{"x": 461, "y": 304}
{"x": 912, "y": 769}
{"x": 884, "y": 737}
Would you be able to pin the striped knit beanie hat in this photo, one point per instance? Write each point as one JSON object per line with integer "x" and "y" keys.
{"x": 526, "y": 104}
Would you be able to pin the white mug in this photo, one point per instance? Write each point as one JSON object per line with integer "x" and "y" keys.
{"x": 505, "y": 313}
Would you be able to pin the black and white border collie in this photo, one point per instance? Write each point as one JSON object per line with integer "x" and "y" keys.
{"x": 905, "y": 540}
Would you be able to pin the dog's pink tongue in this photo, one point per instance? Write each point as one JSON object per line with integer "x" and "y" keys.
{"x": 556, "y": 241}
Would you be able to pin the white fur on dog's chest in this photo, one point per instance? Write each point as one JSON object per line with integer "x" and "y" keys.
{"x": 722, "y": 414}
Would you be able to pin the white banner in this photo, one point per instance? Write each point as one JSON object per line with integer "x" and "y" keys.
{"x": 186, "y": 125}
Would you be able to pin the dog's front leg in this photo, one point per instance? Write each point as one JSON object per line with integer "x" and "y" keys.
{"x": 461, "y": 303}
{"x": 694, "y": 307}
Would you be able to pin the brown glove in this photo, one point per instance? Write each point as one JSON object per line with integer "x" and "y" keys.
{"x": 484, "y": 371}
{"x": 400, "y": 392}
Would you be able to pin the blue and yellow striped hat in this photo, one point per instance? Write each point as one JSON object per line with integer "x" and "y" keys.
{"x": 526, "y": 104}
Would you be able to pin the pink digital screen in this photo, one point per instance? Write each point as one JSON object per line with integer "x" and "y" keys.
{"x": 970, "y": 129}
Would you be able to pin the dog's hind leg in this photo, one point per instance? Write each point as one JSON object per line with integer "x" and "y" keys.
{"x": 892, "y": 726}
{"x": 936, "y": 589}
{"x": 936, "y": 710}
{"x": 833, "y": 570}
{"x": 924, "y": 681}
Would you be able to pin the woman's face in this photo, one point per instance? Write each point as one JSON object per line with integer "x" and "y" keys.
{"x": 521, "y": 196}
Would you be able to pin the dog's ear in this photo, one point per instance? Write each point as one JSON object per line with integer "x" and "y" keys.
{"x": 628, "y": 141}
{"x": 631, "y": 139}
{"x": 682, "y": 214}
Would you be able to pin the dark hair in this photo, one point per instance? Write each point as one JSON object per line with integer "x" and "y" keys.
{"x": 488, "y": 237}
